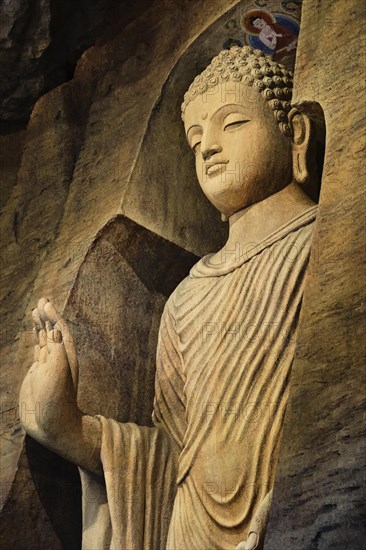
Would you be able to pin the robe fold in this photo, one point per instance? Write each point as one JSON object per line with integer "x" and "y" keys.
{"x": 225, "y": 349}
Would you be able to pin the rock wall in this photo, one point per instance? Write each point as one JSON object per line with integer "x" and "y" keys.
{"x": 99, "y": 194}
{"x": 41, "y": 41}
{"x": 319, "y": 496}
{"x": 80, "y": 175}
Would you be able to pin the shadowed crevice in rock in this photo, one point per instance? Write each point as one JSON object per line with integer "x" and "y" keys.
{"x": 41, "y": 42}
{"x": 57, "y": 484}
{"x": 47, "y": 486}
{"x": 114, "y": 311}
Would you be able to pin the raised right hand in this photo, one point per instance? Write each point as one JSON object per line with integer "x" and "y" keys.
{"x": 47, "y": 403}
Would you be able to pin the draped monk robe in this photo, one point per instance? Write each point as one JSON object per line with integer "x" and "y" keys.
{"x": 226, "y": 345}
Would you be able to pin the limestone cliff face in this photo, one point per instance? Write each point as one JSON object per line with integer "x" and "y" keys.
{"x": 99, "y": 196}
{"x": 100, "y": 149}
{"x": 40, "y": 43}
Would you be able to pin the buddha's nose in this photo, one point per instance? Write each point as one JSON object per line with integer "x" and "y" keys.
{"x": 211, "y": 150}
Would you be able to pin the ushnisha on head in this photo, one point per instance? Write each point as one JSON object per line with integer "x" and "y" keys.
{"x": 255, "y": 69}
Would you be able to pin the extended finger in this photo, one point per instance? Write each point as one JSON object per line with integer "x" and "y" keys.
{"x": 42, "y": 346}
{"x": 41, "y": 304}
{"x": 48, "y": 325}
{"x": 37, "y": 322}
{"x": 53, "y": 315}
{"x": 57, "y": 336}
{"x": 36, "y": 351}
{"x": 42, "y": 338}
{"x": 56, "y": 318}
{"x": 54, "y": 336}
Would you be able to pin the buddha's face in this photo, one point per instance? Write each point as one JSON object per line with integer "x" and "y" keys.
{"x": 241, "y": 155}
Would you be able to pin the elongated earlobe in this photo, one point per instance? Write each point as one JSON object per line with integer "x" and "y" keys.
{"x": 301, "y": 130}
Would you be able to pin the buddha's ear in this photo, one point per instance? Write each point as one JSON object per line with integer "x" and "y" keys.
{"x": 301, "y": 132}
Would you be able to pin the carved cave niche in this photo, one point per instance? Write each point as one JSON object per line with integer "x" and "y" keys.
{"x": 115, "y": 306}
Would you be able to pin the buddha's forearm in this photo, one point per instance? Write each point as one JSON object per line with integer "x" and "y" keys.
{"x": 83, "y": 444}
{"x": 77, "y": 439}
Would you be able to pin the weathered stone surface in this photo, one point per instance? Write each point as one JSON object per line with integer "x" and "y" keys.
{"x": 79, "y": 152}
{"x": 29, "y": 224}
{"x": 115, "y": 313}
{"x": 116, "y": 305}
{"x": 319, "y": 492}
{"x": 114, "y": 309}
{"x": 40, "y": 43}
{"x": 33, "y": 517}
{"x": 89, "y": 167}
{"x": 11, "y": 150}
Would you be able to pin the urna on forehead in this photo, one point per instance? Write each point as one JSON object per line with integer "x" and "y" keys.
{"x": 256, "y": 70}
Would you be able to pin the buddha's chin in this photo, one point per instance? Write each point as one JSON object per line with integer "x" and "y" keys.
{"x": 227, "y": 203}
{"x": 229, "y": 196}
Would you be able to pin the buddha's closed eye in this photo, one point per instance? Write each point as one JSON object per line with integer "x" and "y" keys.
{"x": 229, "y": 126}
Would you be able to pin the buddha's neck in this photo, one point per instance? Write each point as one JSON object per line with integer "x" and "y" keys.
{"x": 254, "y": 223}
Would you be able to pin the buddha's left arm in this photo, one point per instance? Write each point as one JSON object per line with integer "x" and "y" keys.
{"x": 257, "y": 527}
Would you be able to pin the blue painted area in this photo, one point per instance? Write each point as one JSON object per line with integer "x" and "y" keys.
{"x": 288, "y": 23}
{"x": 255, "y": 42}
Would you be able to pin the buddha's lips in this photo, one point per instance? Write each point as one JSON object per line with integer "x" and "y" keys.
{"x": 214, "y": 167}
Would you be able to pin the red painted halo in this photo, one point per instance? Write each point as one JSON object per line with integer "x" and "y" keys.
{"x": 247, "y": 25}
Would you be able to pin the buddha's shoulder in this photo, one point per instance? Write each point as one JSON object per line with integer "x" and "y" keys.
{"x": 190, "y": 286}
